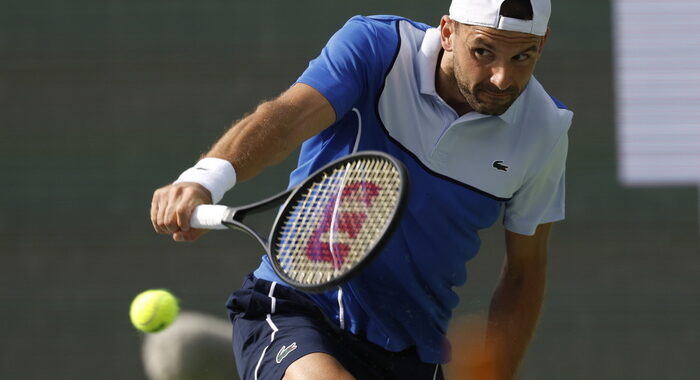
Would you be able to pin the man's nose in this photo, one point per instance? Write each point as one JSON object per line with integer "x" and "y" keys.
{"x": 501, "y": 76}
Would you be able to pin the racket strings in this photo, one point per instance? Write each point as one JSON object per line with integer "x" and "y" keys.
{"x": 337, "y": 221}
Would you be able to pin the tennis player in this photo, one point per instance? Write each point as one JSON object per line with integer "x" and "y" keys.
{"x": 480, "y": 137}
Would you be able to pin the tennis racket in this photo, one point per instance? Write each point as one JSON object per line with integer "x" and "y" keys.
{"x": 330, "y": 226}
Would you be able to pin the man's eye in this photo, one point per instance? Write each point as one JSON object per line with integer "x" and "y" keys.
{"x": 521, "y": 57}
{"x": 479, "y": 52}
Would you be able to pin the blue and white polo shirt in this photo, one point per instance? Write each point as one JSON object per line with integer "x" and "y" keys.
{"x": 378, "y": 73}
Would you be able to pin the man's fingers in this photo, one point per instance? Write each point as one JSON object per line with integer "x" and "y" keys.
{"x": 169, "y": 221}
{"x": 183, "y": 213}
{"x": 154, "y": 213}
{"x": 162, "y": 209}
{"x": 158, "y": 208}
{"x": 190, "y": 235}
{"x": 172, "y": 207}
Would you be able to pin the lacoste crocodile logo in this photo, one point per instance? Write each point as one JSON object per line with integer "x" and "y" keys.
{"x": 499, "y": 166}
{"x": 284, "y": 351}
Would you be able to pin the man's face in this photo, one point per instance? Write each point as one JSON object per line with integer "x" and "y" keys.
{"x": 492, "y": 67}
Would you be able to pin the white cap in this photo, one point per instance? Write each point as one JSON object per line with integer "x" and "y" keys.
{"x": 488, "y": 13}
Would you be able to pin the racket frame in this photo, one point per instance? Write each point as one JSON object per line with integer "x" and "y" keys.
{"x": 233, "y": 218}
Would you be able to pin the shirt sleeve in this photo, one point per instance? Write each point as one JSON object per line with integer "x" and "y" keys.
{"x": 541, "y": 198}
{"x": 352, "y": 60}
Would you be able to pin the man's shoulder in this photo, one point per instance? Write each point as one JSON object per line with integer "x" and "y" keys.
{"x": 388, "y": 22}
{"x": 378, "y": 38}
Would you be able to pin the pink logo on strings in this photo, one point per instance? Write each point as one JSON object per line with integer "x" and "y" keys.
{"x": 347, "y": 225}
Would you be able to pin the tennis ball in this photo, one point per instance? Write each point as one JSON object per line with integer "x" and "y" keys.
{"x": 153, "y": 310}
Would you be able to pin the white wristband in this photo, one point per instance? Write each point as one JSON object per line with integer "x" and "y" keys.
{"x": 216, "y": 175}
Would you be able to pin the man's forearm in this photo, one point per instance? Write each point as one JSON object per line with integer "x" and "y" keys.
{"x": 515, "y": 309}
{"x": 273, "y": 131}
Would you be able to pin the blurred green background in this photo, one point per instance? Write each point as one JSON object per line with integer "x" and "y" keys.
{"x": 101, "y": 102}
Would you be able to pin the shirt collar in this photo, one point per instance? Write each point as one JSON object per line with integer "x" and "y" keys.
{"x": 427, "y": 63}
{"x": 511, "y": 114}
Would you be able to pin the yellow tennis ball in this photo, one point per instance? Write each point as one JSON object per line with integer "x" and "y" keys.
{"x": 153, "y": 310}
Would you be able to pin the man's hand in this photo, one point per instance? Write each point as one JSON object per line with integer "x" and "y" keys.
{"x": 172, "y": 206}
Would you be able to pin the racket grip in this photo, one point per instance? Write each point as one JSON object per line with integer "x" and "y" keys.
{"x": 208, "y": 217}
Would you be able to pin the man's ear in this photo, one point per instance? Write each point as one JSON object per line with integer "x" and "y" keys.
{"x": 447, "y": 32}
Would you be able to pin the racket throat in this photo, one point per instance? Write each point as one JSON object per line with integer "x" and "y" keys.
{"x": 234, "y": 220}
{"x": 253, "y": 233}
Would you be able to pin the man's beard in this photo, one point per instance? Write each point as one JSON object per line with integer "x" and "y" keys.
{"x": 478, "y": 98}
{"x": 487, "y": 99}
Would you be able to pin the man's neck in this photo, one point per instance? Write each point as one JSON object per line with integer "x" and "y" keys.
{"x": 446, "y": 84}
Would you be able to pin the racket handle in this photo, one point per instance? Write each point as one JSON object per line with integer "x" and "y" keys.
{"x": 208, "y": 217}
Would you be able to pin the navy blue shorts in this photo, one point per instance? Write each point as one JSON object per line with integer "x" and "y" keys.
{"x": 274, "y": 325}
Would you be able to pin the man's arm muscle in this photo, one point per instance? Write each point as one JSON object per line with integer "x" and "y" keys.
{"x": 517, "y": 301}
{"x": 276, "y": 128}
{"x": 261, "y": 139}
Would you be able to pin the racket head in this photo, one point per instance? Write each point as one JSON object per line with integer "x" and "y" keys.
{"x": 337, "y": 220}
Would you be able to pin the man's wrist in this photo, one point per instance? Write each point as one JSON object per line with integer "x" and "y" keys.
{"x": 215, "y": 174}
